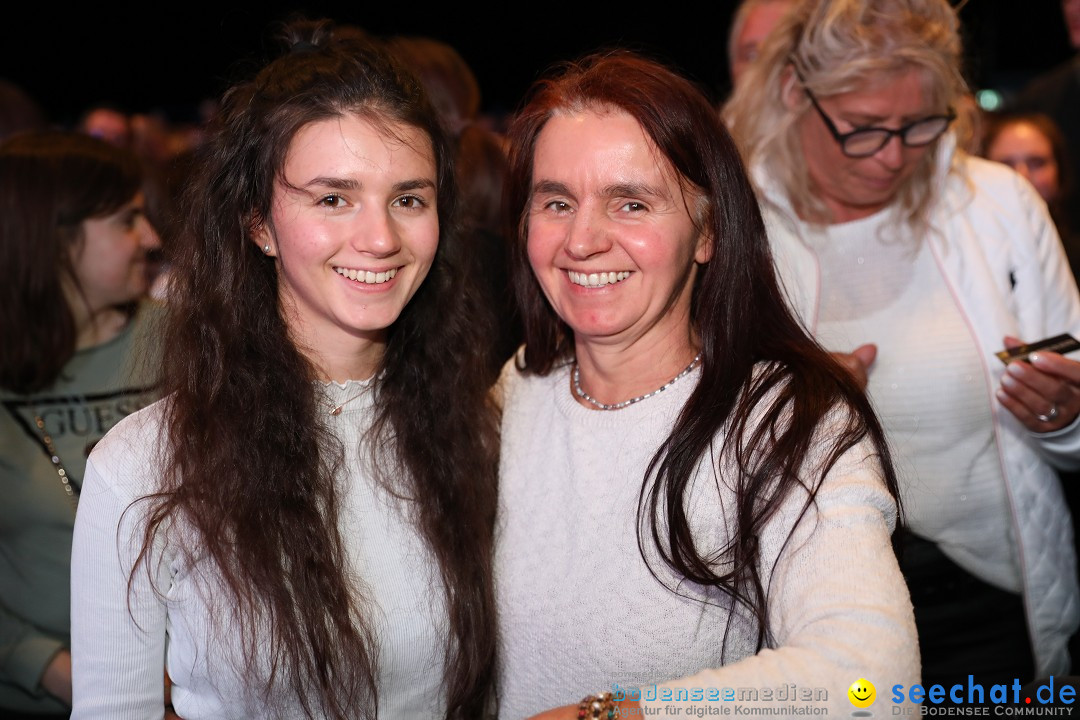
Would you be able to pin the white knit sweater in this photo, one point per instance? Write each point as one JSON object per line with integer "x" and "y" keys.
{"x": 880, "y": 284}
{"x": 580, "y": 613}
{"x": 119, "y": 657}
{"x": 999, "y": 254}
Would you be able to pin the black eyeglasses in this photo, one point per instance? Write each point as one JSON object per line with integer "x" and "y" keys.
{"x": 864, "y": 142}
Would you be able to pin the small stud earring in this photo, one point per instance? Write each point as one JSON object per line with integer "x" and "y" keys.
{"x": 266, "y": 248}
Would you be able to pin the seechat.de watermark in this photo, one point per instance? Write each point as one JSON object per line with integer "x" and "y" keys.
{"x": 975, "y": 699}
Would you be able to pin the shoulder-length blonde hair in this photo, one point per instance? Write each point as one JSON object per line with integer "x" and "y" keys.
{"x": 838, "y": 46}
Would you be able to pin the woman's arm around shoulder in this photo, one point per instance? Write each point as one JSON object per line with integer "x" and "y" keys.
{"x": 509, "y": 377}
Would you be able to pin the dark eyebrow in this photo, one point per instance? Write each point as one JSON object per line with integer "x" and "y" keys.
{"x": 414, "y": 184}
{"x": 333, "y": 183}
{"x": 349, "y": 184}
{"x": 554, "y": 187}
{"x": 633, "y": 190}
{"x": 550, "y": 187}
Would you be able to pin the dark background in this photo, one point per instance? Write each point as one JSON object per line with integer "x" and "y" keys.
{"x": 167, "y": 58}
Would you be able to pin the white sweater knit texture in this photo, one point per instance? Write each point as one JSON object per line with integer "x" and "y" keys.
{"x": 580, "y": 612}
{"x": 880, "y": 284}
{"x": 119, "y": 657}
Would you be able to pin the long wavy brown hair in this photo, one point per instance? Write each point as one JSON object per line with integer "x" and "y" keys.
{"x": 50, "y": 182}
{"x": 775, "y": 396}
{"x": 250, "y": 464}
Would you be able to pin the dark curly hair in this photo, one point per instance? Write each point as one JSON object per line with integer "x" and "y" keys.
{"x": 241, "y": 407}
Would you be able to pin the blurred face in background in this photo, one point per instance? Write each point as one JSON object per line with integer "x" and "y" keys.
{"x": 1071, "y": 10}
{"x": 109, "y": 259}
{"x": 759, "y": 22}
{"x": 1026, "y": 150}
{"x": 109, "y": 125}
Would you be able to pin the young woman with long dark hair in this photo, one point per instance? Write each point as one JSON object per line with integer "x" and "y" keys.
{"x": 73, "y": 245}
{"x": 307, "y": 515}
{"x": 693, "y": 495}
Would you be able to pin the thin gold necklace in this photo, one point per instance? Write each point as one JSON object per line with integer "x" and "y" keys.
{"x": 336, "y": 410}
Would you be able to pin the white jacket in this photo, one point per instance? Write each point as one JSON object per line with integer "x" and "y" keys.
{"x": 1002, "y": 260}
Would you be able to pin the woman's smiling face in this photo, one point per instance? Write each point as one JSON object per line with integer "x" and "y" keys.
{"x": 610, "y": 235}
{"x": 354, "y": 228}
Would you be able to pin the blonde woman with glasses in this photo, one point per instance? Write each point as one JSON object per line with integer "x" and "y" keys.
{"x": 916, "y": 264}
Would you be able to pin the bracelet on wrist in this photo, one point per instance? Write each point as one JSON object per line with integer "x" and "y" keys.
{"x": 598, "y": 707}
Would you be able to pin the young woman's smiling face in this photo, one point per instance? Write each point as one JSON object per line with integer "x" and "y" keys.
{"x": 610, "y": 235}
{"x": 354, "y": 228}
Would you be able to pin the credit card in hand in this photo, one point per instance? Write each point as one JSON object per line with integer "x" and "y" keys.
{"x": 1060, "y": 344}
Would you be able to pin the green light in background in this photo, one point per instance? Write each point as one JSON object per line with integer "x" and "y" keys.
{"x": 989, "y": 100}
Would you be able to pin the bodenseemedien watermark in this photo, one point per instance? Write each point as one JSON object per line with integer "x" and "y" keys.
{"x": 788, "y": 700}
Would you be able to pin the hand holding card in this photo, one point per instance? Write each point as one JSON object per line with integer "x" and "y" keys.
{"x": 1061, "y": 344}
{"x": 1043, "y": 392}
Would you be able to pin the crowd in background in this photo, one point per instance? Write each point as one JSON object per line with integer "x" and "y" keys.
{"x": 1044, "y": 115}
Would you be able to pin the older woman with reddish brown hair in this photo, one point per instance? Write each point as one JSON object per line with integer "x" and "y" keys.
{"x": 691, "y": 490}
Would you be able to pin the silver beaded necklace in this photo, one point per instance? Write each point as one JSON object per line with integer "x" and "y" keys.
{"x": 576, "y": 379}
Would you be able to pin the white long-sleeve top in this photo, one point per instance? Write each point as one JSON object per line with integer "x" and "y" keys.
{"x": 1001, "y": 259}
{"x": 580, "y": 613}
{"x": 880, "y": 284}
{"x": 122, "y": 642}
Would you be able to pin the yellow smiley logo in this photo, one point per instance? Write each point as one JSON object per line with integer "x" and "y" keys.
{"x": 862, "y": 693}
